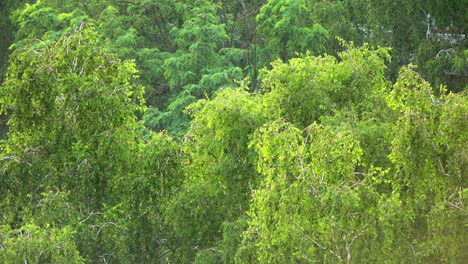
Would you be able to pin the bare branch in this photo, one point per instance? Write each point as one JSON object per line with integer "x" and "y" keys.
{"x": 8, "y": 158}
{"x": 91, "y": 214}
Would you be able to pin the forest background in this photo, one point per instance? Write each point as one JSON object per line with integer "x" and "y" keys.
{"x": 246, "y": 131}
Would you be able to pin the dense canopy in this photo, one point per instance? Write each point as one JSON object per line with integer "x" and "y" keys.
{"x": 269, "y": 131}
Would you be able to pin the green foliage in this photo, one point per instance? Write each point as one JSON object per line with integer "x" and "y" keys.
{"x": 309, "y": 205}
{"x": 71, "y": 102}
{"x": 319, "y": 202}
{"x": 428, "y": 172}
{"x": 48, "y": 233}
{"x": 198, "y": 41}
{"x": 443, "y": 64}
{"x": 201, "y": 65}
{"x": 32, "y": 244}
{"x": 220, "y": 172}
{"x": 286, "y": 29}
{"x": 45, "y": 21}
{"x": 194, "y": 215}
{"x": 157, "y": 175}
{"x": 73, "y": 129}
{"x": 417, "y": 147}
{"x": 428, "y": 33}
{"x": 232, "y": 238}
{"x": 346, "y": 157}
{"x": 340, "y": 20}
{"x": 7, "y": 33}
{"x": 308, "y": 88}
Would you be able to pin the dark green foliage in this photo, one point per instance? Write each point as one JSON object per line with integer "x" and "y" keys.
{"x": 286, "y": 28}
{"x": 423, "y": 32}
{"x": 202, "y": 64}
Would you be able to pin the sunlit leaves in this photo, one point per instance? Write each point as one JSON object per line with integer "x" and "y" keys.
{"x": 306, "y": 89}
{"x": 220, "y": 172}
{"x": 32, "y": 244}
{"x": 72, "y": 131}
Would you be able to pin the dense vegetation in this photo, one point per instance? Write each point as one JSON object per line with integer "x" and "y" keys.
{"x": 269, "y": 131}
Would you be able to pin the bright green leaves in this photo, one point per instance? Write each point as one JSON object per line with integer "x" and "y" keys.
{"x": 308, "y": 204}
{"x": 31, "y": 244}
{"x": 67, "y": 85}
{"x": 278, "y": 155}
{"x": 334, "y": 152}
{"x": 221, "y": 131}
{"x": 46, "y": 21}
{"x": 47, "y": 235}
{"x": 69, "y": 96}
{"x": 452, "y": 127}
{"x": 417, "y": 147}
{"x": 279, "y": 146}
{"x": 306, "y": 89}
{"x": 73, "y": 131}
{"x": 296, "y": 89}
{"x": 323, "y": 196}
{"x": 429, "y": 166}
{"x": 327, "y": 162}
{"x": 220, "y": 172}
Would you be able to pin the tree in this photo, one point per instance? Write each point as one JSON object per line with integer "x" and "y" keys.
{"x": 72, "y": 127}
{"x": 322, "y": 198}
{"x": 429, "y": 165}
{"x": 157, "y": 173}
{"x": 316, "y": 176}
{"x": 307, "y": 89}
{"x": 308, "y": 206}
{"x": 346, "y": 157}
{"x": 429, "y": 33}
{"x": 201, "y": 65}
{"x": 220, "y": 172}
{"x": 30, "y": 243}
{"x": 285, "y": 28}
